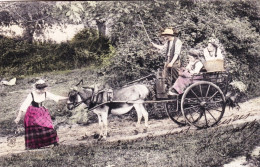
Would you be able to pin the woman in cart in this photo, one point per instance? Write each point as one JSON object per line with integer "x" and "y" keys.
{"x": 186, "y": 73}
{"x": 39, "y": 131}
{"x": 213, "y": 51}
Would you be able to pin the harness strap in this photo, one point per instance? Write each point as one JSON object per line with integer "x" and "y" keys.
{"x": 93, "y": 99}
{"x": 35, "y": 104}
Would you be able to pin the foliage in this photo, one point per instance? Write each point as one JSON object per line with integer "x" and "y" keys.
{"x": 197, "y": 22}
{"x": 32, "y": 16}
{"x": 90, "y": 46}
{"x": 22, "y": 58}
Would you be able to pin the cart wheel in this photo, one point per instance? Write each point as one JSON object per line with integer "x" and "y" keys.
{"x": 203, "y": 104}
{"x": 174, "y": 112}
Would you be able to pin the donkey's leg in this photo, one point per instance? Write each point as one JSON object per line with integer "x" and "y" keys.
{"x": 104, "y": 116}
{"x": 100, "y": 122}
{"x": 139, "y": 114}
{"x": 145, "y": 115}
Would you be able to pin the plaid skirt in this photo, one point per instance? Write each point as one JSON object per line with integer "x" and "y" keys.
{"x": 39, "y": 130}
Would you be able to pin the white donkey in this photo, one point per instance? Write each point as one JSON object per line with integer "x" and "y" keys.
{"x": 124, "y": 99}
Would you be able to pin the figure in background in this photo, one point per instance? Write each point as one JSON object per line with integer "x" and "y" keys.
{"x": 185, "y": 74}
{"x": 39, "y": 130}
{"x": 172, "y": 47}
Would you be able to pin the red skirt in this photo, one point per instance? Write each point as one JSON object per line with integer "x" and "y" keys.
{"x": 39, "y": 130}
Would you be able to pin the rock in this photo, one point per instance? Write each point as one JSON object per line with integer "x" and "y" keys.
{"x": 9, "y": 83}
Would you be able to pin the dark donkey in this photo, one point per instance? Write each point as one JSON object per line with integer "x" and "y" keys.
{"x": 124, "y": 99}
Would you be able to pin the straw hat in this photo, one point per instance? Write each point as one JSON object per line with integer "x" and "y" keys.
{"x": 168, "y": 31}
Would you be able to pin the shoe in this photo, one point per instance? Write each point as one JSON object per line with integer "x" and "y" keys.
{"x": 170, "y": 93}
{"x": 55, "y": 144}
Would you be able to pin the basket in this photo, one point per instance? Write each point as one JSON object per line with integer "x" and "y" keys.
{"x": 214, "y": 65}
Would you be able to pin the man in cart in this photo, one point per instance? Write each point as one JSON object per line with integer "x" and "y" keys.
{"x": 172, "y": 48}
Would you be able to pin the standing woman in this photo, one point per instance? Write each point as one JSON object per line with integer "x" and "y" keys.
{"x": 39, "y": 130}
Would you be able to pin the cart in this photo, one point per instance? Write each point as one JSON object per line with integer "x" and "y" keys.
{"x": 201, "y": 105}
{"x": 203, "y": 102}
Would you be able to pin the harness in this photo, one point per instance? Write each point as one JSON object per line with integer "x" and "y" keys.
{"x": 76, "y": 103}
{"x": 95, "y": 100}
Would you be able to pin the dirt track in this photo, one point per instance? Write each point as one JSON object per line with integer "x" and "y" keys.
{"x": 123, "y": 129}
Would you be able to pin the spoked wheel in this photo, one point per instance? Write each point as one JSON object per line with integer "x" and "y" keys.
{"x": 174, "y": 112}
{"x": 203, "y": 104}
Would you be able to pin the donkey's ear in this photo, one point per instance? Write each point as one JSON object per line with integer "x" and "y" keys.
{"x": 74, "y": 88}
{"x": 80, "y": 82}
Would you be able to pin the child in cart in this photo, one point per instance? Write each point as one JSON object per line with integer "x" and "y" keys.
{"x": 185, "y": 74}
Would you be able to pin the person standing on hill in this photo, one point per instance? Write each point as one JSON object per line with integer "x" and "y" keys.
{"x": 172, "y": 47}
{"x": 39, "y": 130}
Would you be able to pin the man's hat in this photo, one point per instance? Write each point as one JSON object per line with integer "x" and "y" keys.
{"x": 168, "y": 31}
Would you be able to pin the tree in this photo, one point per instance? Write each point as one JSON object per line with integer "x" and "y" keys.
{"x": 92, "y": 13}
{"x": 33, "y": 17}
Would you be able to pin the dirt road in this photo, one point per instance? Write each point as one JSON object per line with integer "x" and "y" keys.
{"x": 124, "y": 129}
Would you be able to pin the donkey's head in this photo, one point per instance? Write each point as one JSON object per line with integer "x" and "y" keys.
{"x": 78, "y": 97}
{"x": 72, "y": 101}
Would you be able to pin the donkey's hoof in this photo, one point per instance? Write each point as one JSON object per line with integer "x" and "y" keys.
{"x": 136, "y": 132}
{"x": 84, "y": 137}
{"x": 102, "y": 138}
{"x": 96, "y": 136}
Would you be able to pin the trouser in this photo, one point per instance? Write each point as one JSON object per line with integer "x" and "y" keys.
{"x": 170, "y": 74}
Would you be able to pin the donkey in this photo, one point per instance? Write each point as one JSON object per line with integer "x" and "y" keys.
{"x": 124, "y": 99}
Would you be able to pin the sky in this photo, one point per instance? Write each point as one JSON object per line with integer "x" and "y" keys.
{"x": 56, "y": 33}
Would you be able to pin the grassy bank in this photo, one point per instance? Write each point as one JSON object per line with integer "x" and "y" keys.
{"x": 208, "y": 147}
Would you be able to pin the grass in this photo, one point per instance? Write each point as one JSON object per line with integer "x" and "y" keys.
{"x": 207, "y": 147}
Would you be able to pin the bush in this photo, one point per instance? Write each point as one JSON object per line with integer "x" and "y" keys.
{"x": 21, "y": 58}
{"x": 235, "y": 23}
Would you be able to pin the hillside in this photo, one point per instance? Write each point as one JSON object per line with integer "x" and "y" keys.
{"x": 237, "y": 127}
{"x": 112, "y": 49}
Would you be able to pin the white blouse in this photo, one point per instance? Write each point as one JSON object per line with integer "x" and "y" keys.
{"x": 197, "y": 67}
{"x": 212, "y": 56}
{"x": 38, "y": 98}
